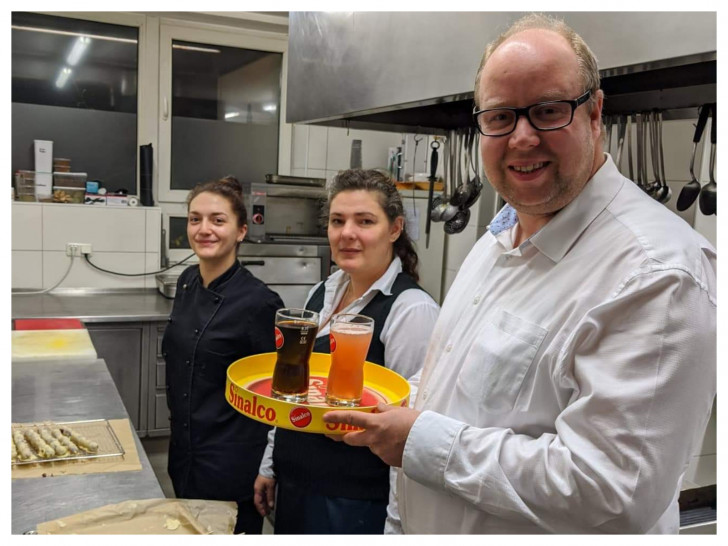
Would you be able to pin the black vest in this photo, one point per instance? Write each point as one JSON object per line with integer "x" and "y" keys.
{"x": 321, "y": 465}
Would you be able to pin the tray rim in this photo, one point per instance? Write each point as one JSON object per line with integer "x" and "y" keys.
{"x": 317, "y": 411}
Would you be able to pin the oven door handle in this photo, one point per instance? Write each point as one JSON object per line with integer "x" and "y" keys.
{"x": 252, "y": 262}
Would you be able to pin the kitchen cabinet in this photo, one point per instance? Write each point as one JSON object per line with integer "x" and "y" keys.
{"x": 158, "y": 413}
{"x": 132, "y": 353}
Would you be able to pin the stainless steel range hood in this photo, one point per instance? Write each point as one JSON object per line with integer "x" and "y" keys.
{"x": 414, "y": 71}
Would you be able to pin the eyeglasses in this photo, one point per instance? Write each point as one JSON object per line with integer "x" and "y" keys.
{"x": 543, "y": 116}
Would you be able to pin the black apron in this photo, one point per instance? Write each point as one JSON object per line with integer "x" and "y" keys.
{"x": 320, "y": 465}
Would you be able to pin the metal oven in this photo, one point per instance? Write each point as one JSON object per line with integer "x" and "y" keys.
{"x": 289, "y": 263}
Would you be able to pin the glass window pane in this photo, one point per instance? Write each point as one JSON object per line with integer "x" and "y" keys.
{"x": 178, "y": 232}
{"x": 75, "y": 82}
{"x": 225, "y": 113}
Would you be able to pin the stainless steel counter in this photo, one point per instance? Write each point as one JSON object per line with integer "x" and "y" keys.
{"x": 94, "y": 305}
{"x": 71, "y": 391}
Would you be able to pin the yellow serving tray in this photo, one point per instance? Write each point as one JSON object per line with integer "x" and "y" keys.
{"x": 247, "y": 389}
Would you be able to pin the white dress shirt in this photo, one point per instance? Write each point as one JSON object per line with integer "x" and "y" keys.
{"x": 569, "y": 380}
{"x": 405, "y": 333}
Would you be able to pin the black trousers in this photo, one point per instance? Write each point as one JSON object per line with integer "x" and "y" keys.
{"x": 299, "y": 512}
{"x": 249, "y": 520}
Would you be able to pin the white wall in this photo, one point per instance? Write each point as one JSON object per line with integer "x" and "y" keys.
{"x": 321, "y": 152}
{"x": 123, "y": 239}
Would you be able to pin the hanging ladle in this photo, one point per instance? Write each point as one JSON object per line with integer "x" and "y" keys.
{"x": 608, "y": 125}
{"x": 621, "y": 127}
{"x": 708, "y": 194}
{"x": 476, "y": 186}
{"x": 691, "y": 190}
{"x": 654, "y": 156}
{"x": 638, "y": 123}
{"x": 663, "y": 193}
{"x": 462, "y": 190}
{"x": 629, "y": 146}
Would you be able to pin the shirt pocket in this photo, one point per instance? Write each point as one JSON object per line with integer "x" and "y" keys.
{"x": 498, "y": 360}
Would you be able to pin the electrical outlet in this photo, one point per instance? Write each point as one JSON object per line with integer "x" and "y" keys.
{"x": 78, "y": 249}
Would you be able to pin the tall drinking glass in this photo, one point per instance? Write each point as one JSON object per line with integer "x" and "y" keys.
{"x": 295, "y": 335}
{"x": 350, "y": 338}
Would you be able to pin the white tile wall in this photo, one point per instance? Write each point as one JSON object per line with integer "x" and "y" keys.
{"x": 152, "y": 228}
{"x": 106, "y": 228}
{"x": 450, "y": 275}
{"x": 27, "y": 227}
{"x": 299, "y": 147}
{"x": 317, "y": 142}
{"x": 27, "y": 269}
{"x": 151, "y": 263}
{"x": 82, "y": 274}
{"x": 459, "y": 244}
{"x": 123, "y": 239}
{"x": 328, "y": 149}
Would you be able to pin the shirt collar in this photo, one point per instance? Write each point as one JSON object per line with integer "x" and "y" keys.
{"x": 220, "y": 281}
{"x": 559, "y": 234}
{"x": 383, "y": 283}
{"x": 505, "y": 219}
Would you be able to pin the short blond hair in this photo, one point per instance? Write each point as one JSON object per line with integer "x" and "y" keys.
{"x": 588, "y": 69}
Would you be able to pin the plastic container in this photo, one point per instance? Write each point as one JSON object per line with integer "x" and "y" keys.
{"x": 70, "y": 180}
{"x": 62, "y": 194}
{"x": 61, "y": 165}
{"x": 24, "y": 184}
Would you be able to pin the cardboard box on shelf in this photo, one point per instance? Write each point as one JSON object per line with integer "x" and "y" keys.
{"x": 117, "y": 200}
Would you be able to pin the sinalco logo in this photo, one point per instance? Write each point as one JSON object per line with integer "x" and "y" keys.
{"x": 332, "y": 342}
{"x": 300, "y": 417}
{"x": 279, "y": 338}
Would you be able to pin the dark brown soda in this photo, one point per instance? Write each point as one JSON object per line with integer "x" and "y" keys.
{"x": 290, "y": 375}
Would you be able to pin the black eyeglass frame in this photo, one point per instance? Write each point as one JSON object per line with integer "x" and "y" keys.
{"x": 575, "y": 103}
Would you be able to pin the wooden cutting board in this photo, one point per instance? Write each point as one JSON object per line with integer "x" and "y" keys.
{"x": 29, "y": 345}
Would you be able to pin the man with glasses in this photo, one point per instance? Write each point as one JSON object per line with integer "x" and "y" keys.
{"x": 571, "y": 372}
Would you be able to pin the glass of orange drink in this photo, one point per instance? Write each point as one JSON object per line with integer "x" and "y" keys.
{"x": 350, "y": 336}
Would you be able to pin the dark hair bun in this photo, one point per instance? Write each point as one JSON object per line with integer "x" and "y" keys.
{"x": 233, "y": 182}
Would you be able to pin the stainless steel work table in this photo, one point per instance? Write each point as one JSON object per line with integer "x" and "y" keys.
{"x": 90, "y": 305}
{"x": 71, "y": 391}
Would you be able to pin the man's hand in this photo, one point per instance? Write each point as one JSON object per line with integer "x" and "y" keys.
{"x": 385, "y": 432}
{"x": 265, "y": 494}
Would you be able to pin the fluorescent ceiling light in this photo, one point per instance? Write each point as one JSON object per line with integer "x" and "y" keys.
{"x": 68, "y": 33}
{"x": 63, "y": 77}
{"x": 269, "y": 107}
{"x": 79, "y": 47}
{"x": 195, "y": 48}
{"x": 230, "y": 115}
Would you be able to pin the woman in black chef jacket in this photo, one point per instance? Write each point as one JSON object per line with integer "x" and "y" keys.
{"x": 221, "y": 313}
